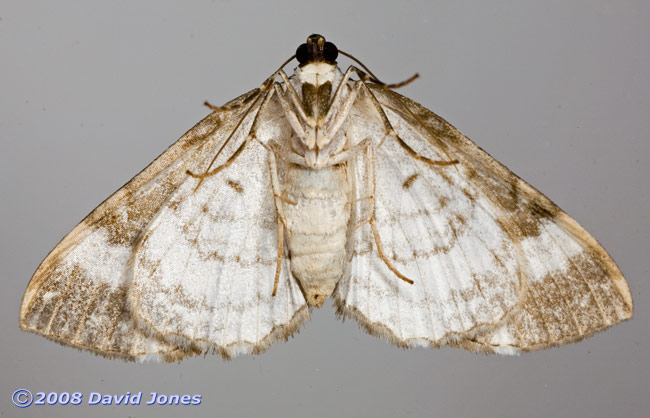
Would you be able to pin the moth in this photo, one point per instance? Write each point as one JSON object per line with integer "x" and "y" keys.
{"x": 316, "y": 185}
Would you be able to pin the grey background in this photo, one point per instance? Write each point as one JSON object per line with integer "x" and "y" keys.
{"x": 91, "y": 92}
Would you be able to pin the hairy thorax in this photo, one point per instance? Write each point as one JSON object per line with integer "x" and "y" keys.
{"x": 317, "y": 227}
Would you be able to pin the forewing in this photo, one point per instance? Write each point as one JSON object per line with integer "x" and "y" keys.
{"x": 438, "y": 229}
{"x": 203, "y": 273}
{"x": 574, "y": 287}
{"x": 78, "y": 294}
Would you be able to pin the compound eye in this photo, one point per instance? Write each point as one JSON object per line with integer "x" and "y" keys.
{"x": 330, "y": 52}
{"x": 302, "y": 54}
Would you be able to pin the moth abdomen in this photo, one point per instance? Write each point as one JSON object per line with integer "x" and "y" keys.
{"x": 317, "y": 228}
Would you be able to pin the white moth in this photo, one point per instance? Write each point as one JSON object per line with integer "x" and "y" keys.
{"x": 317, "y": 185}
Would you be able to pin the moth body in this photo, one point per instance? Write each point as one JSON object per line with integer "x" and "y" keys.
{"x": 317, "y": 187}
{"x": 320, "y": 185}
{"x": 317, "y": 228}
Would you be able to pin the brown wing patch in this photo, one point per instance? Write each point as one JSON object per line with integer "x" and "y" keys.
{"x": 124, "y": 226}
{"x": 235, "y": 185}
{"x": 74, "y": 310}
{"x": 409, "y": 181}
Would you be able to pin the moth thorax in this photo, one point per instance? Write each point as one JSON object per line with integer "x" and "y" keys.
{"x": 317, "y": 73}
{"x": 316, "y": 83}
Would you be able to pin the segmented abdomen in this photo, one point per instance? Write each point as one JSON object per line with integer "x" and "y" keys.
{"x": 317, "y": 228}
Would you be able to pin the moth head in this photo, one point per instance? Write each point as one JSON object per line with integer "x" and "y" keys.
{"x": 316, "y": 49}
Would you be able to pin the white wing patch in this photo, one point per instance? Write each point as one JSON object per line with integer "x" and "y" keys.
{"x": 203, "y": 273}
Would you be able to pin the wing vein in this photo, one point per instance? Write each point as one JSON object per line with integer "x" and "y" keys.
{"x": 82, "y": 321}
{"x": 59, "y": 303}
{"x": 427, "y": 298}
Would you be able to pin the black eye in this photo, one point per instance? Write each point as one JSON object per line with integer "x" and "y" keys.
{"x": 302, "y": 53}
{"x": 330, "y": 52}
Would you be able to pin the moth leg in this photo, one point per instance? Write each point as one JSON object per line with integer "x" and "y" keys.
{"x": 371, "y": 221}
{"x": 389, "y": 127}
{"x": 340, "y": 108}
{"x": 336, "y": 99}
{"x": 279, "y": 207}
{"x": 211, "y": 106}
{"x": 360, "y": 224}
{"x": 359, "y": 200}
{"x": 349, "y": 153}
{"x": 289, "y": 113}
{"x": 275, "y": 184}
{"x": 339, "y": 158}
{"x": 278, "y": 266}
{"x": 337, "y": 114}
{"x": 391, "y": 132}
{"x": 263, "y": 89}
{"x": 297, "y": 103}
{"x": 251, "y": 135}
{"x": 219, "y": 108}
{"x": 365, "y": 221}
{"x": 244, "y": 101}
{"x": 342, "y": 84}
{"x": 286, "y": 199}
{"x": 380, "y": 251}
{"x": 289, "y": 156}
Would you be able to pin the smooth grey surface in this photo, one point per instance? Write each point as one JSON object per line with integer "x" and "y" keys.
{"x": 558, "y": 91}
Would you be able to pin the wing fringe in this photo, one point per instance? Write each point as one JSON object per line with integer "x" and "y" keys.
{"x": 229, "y": 351}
